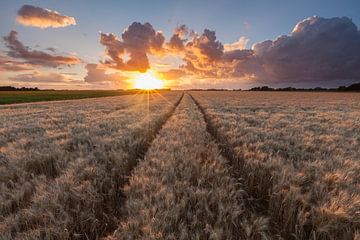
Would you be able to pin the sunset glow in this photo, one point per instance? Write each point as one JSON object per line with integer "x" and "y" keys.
{"x": 148, "y": 81}
{"x": 221, "y": 119}
{"x": 227, "y": 48}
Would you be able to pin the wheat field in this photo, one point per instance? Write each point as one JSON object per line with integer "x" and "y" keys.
{"x": 182, "y": 165}
{"x": 297, "y": 155}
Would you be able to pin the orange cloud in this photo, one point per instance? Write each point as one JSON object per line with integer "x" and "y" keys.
{"x": 173, "y": 74}
{"x": 202, "y": 55}
{"x": 34, "y": 57}
{"x": 29, "y": 15}
{"x": 318, "y": 49}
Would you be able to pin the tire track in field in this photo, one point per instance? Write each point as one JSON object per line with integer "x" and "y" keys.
{"x": 25, "y": 187}
{"x": 227, "y": 151}
{"x": 141, "y": 151}
{"x": 286, "y": 221}
{"x": 256, "y": 204}
{"x": 136, "y": 153}
{"x": 183, "y": 189}
{"x": 139, "y": 154}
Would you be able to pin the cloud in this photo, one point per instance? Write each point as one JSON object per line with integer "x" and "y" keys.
{"x": 51, "y": 49}
{"x": 182, "y": 31}
{"x": 46, "y": 80}
{"x": 7, "y": 64}
{"x": 37, "y": 77}
{"x": 318, "y": 49}
{"x": 240, "y": 44}
{"x": 34, "y": 57}
{"x": 173, "y": 74}
{"x": 237, "y": 54}
{"x": 202, "y": 53}
{"x": 29, "y": 15}
{"x": 177, "y": 40}
{"x": 96, "y": 74}
{"x": 205, "y": 47}
{"x": 136, "y": 42}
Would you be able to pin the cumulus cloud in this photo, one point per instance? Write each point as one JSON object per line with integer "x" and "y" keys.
{"x": 318, "y": 49}
{"x": 202, "y": 53}
{"x": 182, "y": 31}
{"x": 136, "y": 42}
{"x": 177, "y": 40}
{"x": 96, "y": 74}
{"x": 34, "y": 57}
{"x": 205, "y": 47}
{"x": 29, "y": 15}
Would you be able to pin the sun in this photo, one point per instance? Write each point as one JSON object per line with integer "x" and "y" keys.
{"x": 148, "y": 81}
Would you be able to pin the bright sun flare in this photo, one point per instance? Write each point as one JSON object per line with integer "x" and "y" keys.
{"x": 148, "y": 81}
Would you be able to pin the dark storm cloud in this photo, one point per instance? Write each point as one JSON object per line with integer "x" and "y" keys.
{"x": 34, "y": 57}
{"x": 136, "y": 42}
{"x": 29, "y": 15}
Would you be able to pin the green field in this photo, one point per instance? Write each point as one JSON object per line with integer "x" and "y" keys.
{"x": 9, "y": 97}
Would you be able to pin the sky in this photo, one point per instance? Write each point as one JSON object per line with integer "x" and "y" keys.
{"x": 187, "y": 44}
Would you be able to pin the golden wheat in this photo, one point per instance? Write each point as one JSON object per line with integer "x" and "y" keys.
{"x": 63, "y": 168}
{"x": 183, "y": 189}
{"x": 298, "y": 155}
{"x": 221, "y": 165}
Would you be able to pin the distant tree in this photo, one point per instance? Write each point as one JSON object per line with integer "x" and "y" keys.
{"x": 262, "y": 88}
{"x": 10, "y": 88}
{"x": 353, "y": 87}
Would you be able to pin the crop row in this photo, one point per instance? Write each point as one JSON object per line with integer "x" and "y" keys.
{"x": 63, "y": 165}
{"x": 297, "y": 155}
{"x": 184, "y": 190}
